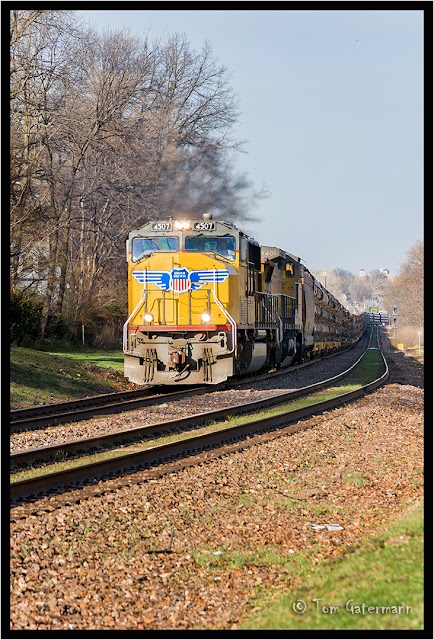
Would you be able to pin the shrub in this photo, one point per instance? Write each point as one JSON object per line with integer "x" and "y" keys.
{"x": 26, "y": 316}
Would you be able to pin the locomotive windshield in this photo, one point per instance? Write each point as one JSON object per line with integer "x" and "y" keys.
{"x": 146, "y": 246}
{"x": 223, "y": 246}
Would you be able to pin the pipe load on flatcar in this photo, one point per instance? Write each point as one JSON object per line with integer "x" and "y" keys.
{"x": 206, "y": 303}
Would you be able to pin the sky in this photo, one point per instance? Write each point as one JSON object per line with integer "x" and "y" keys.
{"x": 331, "y": 109}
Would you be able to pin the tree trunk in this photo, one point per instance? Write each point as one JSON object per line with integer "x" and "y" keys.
{"x": 15, "y": 258}
{"x": 51, "y": 277}
{"x": 63, "y": 263}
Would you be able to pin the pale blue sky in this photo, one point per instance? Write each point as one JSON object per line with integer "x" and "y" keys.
{"x": 331, "y": 106}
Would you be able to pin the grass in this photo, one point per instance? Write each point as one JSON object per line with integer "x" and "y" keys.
{"x": 369, "y": 368}
{"x": 113, "y": 359}
{"x": 298, "y": 565}
{"x": 43, "y": 377}
{"x": 377, "y": 586}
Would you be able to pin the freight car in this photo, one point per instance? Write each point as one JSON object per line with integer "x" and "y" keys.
{"x": 206, "y": 303}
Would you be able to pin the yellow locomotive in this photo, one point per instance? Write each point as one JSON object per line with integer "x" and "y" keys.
{"x": 206, "y": 302}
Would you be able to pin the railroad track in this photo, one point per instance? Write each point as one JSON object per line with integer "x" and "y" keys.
{"x": 37, "y": 417}
{"x": 129, "y": 462}
{"x": 84, "y": 408}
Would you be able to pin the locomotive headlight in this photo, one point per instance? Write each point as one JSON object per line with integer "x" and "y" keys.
{"x": 206, "y": 317}
{"x": 182, "y": 225}
{"x": 148, "y": 317}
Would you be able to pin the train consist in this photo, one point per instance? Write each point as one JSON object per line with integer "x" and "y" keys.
{"x": 206, "y": 302}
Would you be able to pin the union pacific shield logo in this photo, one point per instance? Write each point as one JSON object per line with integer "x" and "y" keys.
{"x": 179, "y": 280}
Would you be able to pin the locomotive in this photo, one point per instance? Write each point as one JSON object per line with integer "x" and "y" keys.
{"x": 206, "y": 302}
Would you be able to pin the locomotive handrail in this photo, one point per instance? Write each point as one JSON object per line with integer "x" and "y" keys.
{"x": 139, "y": 304}
{"x": 277, "y": 321}
{"x": 261, "y": 297}
{"x": 231, "y": 321}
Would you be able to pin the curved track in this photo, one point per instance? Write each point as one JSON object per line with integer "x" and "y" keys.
{"x": 183, "y": 448}
{"x": 37, "y": 417}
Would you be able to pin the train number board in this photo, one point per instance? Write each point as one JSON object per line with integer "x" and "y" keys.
{"x": 161, "y": 226}
{"x": 204, "y": 225}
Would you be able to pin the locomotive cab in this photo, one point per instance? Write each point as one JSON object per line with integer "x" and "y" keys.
{"x": 182, "y": 294}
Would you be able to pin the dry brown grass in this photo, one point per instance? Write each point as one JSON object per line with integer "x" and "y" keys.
{"x": 407, "y": 336}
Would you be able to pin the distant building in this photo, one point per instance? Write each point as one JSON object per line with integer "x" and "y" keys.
{"x": 384, "y": 272}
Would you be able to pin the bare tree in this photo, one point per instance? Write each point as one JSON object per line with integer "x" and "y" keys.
{"x": 108, "y": 131}
{"x": 37, "y": 56}
{"x": 107, "y": 74}
{"x": 143, "y": 154}
{"x": 406, "y": 290}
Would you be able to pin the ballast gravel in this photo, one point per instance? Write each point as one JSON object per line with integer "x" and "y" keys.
{"x": 171, "y": 410}
{"x": 200, "y": 549}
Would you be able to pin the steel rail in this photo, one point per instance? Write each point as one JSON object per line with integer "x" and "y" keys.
{"x": 98, "y": 405}
{"x": 27, "y": 456}
{"x": 186, "y": 447}
{"x": 28, "y": 412}
{"x": 82, "y": 408}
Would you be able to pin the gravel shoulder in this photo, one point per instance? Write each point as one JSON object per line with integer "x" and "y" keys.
{"x": 200, "y": 548}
